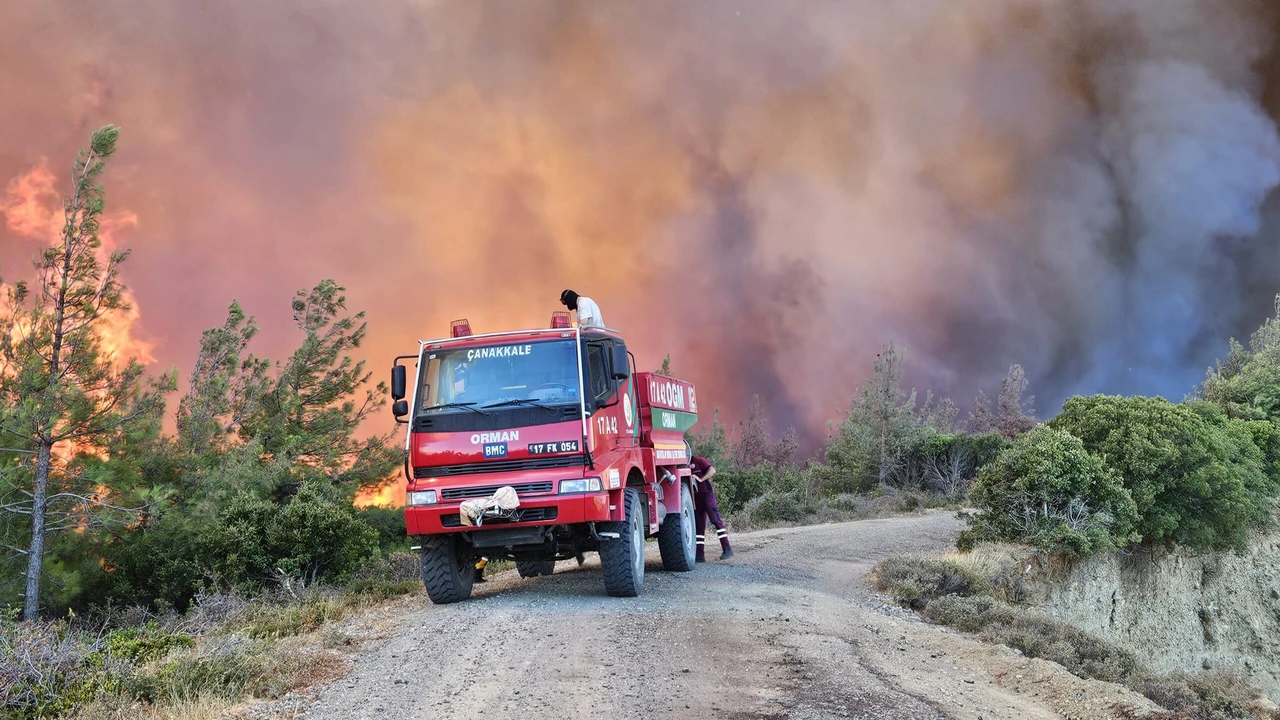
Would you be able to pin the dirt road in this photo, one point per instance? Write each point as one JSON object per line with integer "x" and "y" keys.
{"x": 786, "y": 629}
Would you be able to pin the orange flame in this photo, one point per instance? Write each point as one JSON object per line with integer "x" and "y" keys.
{"x": 31, "y": 209}
{"x": 30, "y": 204}
{"x": 389, "y": 494}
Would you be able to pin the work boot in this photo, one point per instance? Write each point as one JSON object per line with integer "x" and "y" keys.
{"x": 701, "y": 558}
{"x": 726, "y": 554}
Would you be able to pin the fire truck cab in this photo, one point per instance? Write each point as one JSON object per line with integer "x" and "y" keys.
{"x": 593, "y": 450}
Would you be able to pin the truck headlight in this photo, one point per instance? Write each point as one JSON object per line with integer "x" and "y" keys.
{"x": 422, "y": 497}
{"x": 580, "y": 486}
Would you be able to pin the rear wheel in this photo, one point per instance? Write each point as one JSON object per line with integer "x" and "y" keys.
{"x": 534, "y": 568}
{"x": 622, "y": 558}
{"x": 447, "y": 568}
{"x": 676, "y": 536}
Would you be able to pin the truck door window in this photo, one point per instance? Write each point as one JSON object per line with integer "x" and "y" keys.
{"x": 597, "y": 375}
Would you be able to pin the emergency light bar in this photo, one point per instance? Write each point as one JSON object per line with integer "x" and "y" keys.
{"x": 459, "y": 328}
{"x": 559, "y": 320}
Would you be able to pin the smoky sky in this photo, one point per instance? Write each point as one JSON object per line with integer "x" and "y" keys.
{"x": 767, "y": 191}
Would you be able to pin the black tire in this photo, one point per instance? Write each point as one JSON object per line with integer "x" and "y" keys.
{"x": 534, "y": 568}
{"x": 622, "y": 558}
{"x": 676, "y": 539}
{"x": 448, "y": 571}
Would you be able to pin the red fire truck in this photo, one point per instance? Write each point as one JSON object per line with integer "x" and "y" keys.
{"x": 594, "y": 451}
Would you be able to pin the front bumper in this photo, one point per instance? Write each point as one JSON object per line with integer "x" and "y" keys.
{"x": 541, "y": 509}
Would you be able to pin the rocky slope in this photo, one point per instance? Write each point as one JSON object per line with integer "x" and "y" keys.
{"x": 1183, "y": 610}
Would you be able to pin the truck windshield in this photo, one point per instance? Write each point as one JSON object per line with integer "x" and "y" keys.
{"x": 544, "y": 372}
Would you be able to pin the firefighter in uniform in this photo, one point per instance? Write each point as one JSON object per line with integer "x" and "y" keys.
{"x": 705, "y": 506}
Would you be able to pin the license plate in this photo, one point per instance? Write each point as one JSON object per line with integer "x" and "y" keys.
{"x": 562, "y": 446}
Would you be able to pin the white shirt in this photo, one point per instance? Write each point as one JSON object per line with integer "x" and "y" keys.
{"x": 589, "y": 313}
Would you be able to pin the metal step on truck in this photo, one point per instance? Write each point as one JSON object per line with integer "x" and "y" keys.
{"x": 543, "y": 445}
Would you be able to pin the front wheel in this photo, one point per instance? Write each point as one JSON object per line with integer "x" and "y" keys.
{"x": 676, "y": 536}
{"x": 534, "y": 568}
{"x": 447, "y": 568}
{"x": 622, "y": 558}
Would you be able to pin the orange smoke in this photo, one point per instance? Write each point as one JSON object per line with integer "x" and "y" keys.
{"x": 766, "y": 191}
{"x": 32, "y": 209}
{"x": 389, "y": 495}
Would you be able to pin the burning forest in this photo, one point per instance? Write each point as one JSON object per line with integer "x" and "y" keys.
{"x": 766, "y": 194}
{"x": 804, "y": 210}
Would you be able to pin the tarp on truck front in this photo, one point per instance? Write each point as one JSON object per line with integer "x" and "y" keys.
{"x": 500, "y": 504}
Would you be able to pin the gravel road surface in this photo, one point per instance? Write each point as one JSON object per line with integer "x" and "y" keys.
{"x": 788, "y": 628}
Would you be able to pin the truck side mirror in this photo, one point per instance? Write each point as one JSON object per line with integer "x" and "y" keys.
{"x": 398, "y": 385}
{"x": 621, "y": 366}
{"x": 400, "y": 408}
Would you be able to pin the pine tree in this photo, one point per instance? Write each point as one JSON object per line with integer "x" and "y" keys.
{"x": 665, "y": 370}
{"x": 63, "y": 391}
{"x": 1017, "y": 415}
{"x": 982, "y": 419}
{"x": 225, "y": 387}
{"x": 711, "y": 441}
{"x": 312, "y": 409}
{"x": 1013, "y": 415}
{"x": 753, "y": 445}
{"x": 882, "y": 422}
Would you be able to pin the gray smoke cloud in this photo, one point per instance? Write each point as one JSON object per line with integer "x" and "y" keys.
{"x": 1194, "y": 157}
{"x": 768, "y": 191}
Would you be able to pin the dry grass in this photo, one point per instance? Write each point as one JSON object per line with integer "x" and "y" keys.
{"x": 915, "y": 581}
{"x": 225, "y": 650}
{"x": 1005, "y": 567}
{"x": 1219, "y": 695}
{"x": 119, "y": 708}
{"x": 318, "y": 607}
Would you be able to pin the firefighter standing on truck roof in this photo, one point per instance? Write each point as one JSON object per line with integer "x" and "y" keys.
{"x": 705, "y": 506}
{"x": 587, "y": 310}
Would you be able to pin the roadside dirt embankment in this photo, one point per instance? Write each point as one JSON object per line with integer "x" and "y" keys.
{"x": 1181, "y": 610}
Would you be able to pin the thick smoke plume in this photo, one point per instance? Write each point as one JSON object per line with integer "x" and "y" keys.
{"x": 768, "y": 191}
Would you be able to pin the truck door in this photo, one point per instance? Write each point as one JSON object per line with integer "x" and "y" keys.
{"x": 610, "y": 401}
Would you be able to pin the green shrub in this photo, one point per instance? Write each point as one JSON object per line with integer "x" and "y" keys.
{"x": 139, "y": 645}
{"x": 276, "y": 621}
{"x": 389, "y": 525}
{"x": 735, "y": 488}
{"x": 1197, "y": 477}
{"x": 985, "y": 447}
{"x": 1045, "y": 490}
{"x": 316, "y": 534}
{"x": 396, "y": 567}
{"x": 844, "y": 471}
{"x": 226, "y": 675}
{"x": 915, "y": 580}
{"x": 776, "y": 506}
{"x": 1247, "y": 385}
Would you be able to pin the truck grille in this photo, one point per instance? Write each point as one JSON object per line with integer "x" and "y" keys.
{"x": 530, "y": 488}
{"x": 558, "y": 461}
{"x": 451, "y": 520}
